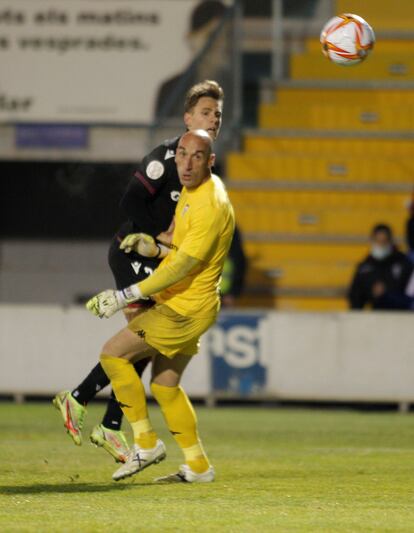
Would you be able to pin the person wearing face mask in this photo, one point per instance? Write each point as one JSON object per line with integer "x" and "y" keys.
{"x": 381, "y": 280}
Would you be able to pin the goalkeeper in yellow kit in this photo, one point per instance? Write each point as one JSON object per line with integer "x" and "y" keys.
{"x": 185, "y": 288}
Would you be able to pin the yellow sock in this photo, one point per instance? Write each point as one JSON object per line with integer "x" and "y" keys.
{"x": 182, "y": 423}
{"x": 144, "y": 435}
{"x": 130, "y": 394}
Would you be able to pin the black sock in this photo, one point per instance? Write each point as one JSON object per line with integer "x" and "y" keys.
{"x": 113, "y": 415}
{"x": 91, "y": 385}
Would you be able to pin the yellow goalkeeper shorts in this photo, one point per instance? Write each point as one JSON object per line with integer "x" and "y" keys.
{"x": 168, "y": 332}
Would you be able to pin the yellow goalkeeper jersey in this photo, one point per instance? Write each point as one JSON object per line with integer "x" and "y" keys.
{"x": 204, "y": 226}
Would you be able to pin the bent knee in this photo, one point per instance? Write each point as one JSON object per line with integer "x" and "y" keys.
{"x": 121, "y": 344}
{"x": 107, "y": 349}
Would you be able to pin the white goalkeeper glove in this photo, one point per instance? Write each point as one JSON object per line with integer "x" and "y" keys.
{"x": 107, "y": 303}
{"x": 144, "y": 245}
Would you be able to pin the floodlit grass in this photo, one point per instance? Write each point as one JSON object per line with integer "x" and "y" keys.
{"x": 278, "y": 470}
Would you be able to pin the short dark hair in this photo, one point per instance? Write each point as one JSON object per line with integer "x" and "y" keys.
{"x": 382, "y": 228}
{"x": 208, "y": 88}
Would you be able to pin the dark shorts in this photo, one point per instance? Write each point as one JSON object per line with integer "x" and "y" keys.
{"x": 129, "y": 268}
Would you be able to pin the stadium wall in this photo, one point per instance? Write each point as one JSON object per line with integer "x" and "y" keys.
{"x": 317, "y": 357}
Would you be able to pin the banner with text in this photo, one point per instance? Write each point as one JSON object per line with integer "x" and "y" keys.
{"x": 237, "y": 348}
{"x": 88, "y": 61}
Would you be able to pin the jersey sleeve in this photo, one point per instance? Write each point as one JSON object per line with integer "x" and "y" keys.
{"x": 142, "y": 196}
{"x": 203, "y": 235}
{"x": 154, "y": 170}
{"x": 169, "y": 274}
{"x": 357, "y": 296}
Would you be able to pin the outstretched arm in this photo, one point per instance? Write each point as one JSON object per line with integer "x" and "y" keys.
{"x": 108, "y": 302}
{"x": 169, "y": 275}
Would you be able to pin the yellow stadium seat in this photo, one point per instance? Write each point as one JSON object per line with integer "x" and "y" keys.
{"x": 267, "y": 254}
{"x": 310, "y": 304}
{"x": 350, "y": 96}
{"x": 295, "y": 303}
{"x": 252, "y": 299}
{"x": 306, "y": 202}
{"x": 312, "y": 275}
{"x": 319, "y": 199}
{"x": 335, "y": 168}
{"x": 348, "y": 147}
{"x": 397, "y": 45}
{"x": 385, "y": 66}
{"x": 292, "y": 222}
{"x": 281, "y": 268}
{"x": 381, "y": 14}
{"x": 329, "y": 223}
{"x": 367, "y": 118}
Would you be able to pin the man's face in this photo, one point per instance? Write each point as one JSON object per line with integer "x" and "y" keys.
{"x": 193, "y": 160}
{"x": 381, "y": 245}
{"x": 381, "y": 238}
{"x": 205, "y": 115}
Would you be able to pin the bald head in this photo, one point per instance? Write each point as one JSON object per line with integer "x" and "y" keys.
{"x": 200, "y": 136}
{"x": 194, "y": 158}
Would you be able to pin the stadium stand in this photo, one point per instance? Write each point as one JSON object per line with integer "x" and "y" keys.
{"x": 332, "y": 156}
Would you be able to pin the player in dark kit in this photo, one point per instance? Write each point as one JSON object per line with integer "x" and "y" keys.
{"x": 149, "y": 202}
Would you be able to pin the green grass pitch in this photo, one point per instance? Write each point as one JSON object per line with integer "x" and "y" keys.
{"x": 278, "y": 470}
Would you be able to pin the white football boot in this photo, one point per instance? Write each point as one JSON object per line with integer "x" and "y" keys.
{"x": 140, "y": 458}
{"x": 186, "y": 475}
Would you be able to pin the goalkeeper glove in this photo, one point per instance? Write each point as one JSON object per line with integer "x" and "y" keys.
{"x": 140, "y": 243}
{"x": 144, "y": 245}
{"x": 108, "y": 302}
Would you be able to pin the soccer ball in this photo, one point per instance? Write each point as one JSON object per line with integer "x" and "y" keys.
{"x": 347, "y": 39}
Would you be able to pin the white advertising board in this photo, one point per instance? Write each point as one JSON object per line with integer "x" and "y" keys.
{"x": 46, "y": 348}
{"x": 89, "y": 61}
{"x": 305, "y": 356}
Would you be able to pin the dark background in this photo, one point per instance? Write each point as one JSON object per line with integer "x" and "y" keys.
{"x": 61, "y": 200}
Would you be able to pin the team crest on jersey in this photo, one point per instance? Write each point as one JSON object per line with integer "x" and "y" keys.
{"x": 154, "y": 170}
{"x": 175, "y": 196}
{"x": 185, "y": 209}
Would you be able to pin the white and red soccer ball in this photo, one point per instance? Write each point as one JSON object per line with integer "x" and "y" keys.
{"x": 347, "y": 39}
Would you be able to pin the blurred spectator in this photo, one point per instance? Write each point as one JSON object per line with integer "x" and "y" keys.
{"x": 234, "y": 272}
{"x": 409, "y": 230}
{"x": 381, "y": 280}
{"x": 204, "y": 20}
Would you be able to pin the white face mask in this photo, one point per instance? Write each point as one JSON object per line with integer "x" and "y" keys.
{"x": 380, "y": 252}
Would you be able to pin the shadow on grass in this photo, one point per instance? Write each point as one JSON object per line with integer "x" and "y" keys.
{"x": 68, "y": 488}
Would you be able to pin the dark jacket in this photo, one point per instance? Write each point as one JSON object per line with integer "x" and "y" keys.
{"x": 234, "y": 271}
{"x": 394, "y": 272}
{"x": 409, "y": 231}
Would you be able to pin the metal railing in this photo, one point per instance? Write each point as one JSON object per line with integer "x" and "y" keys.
{"x": 220, "y": 60}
